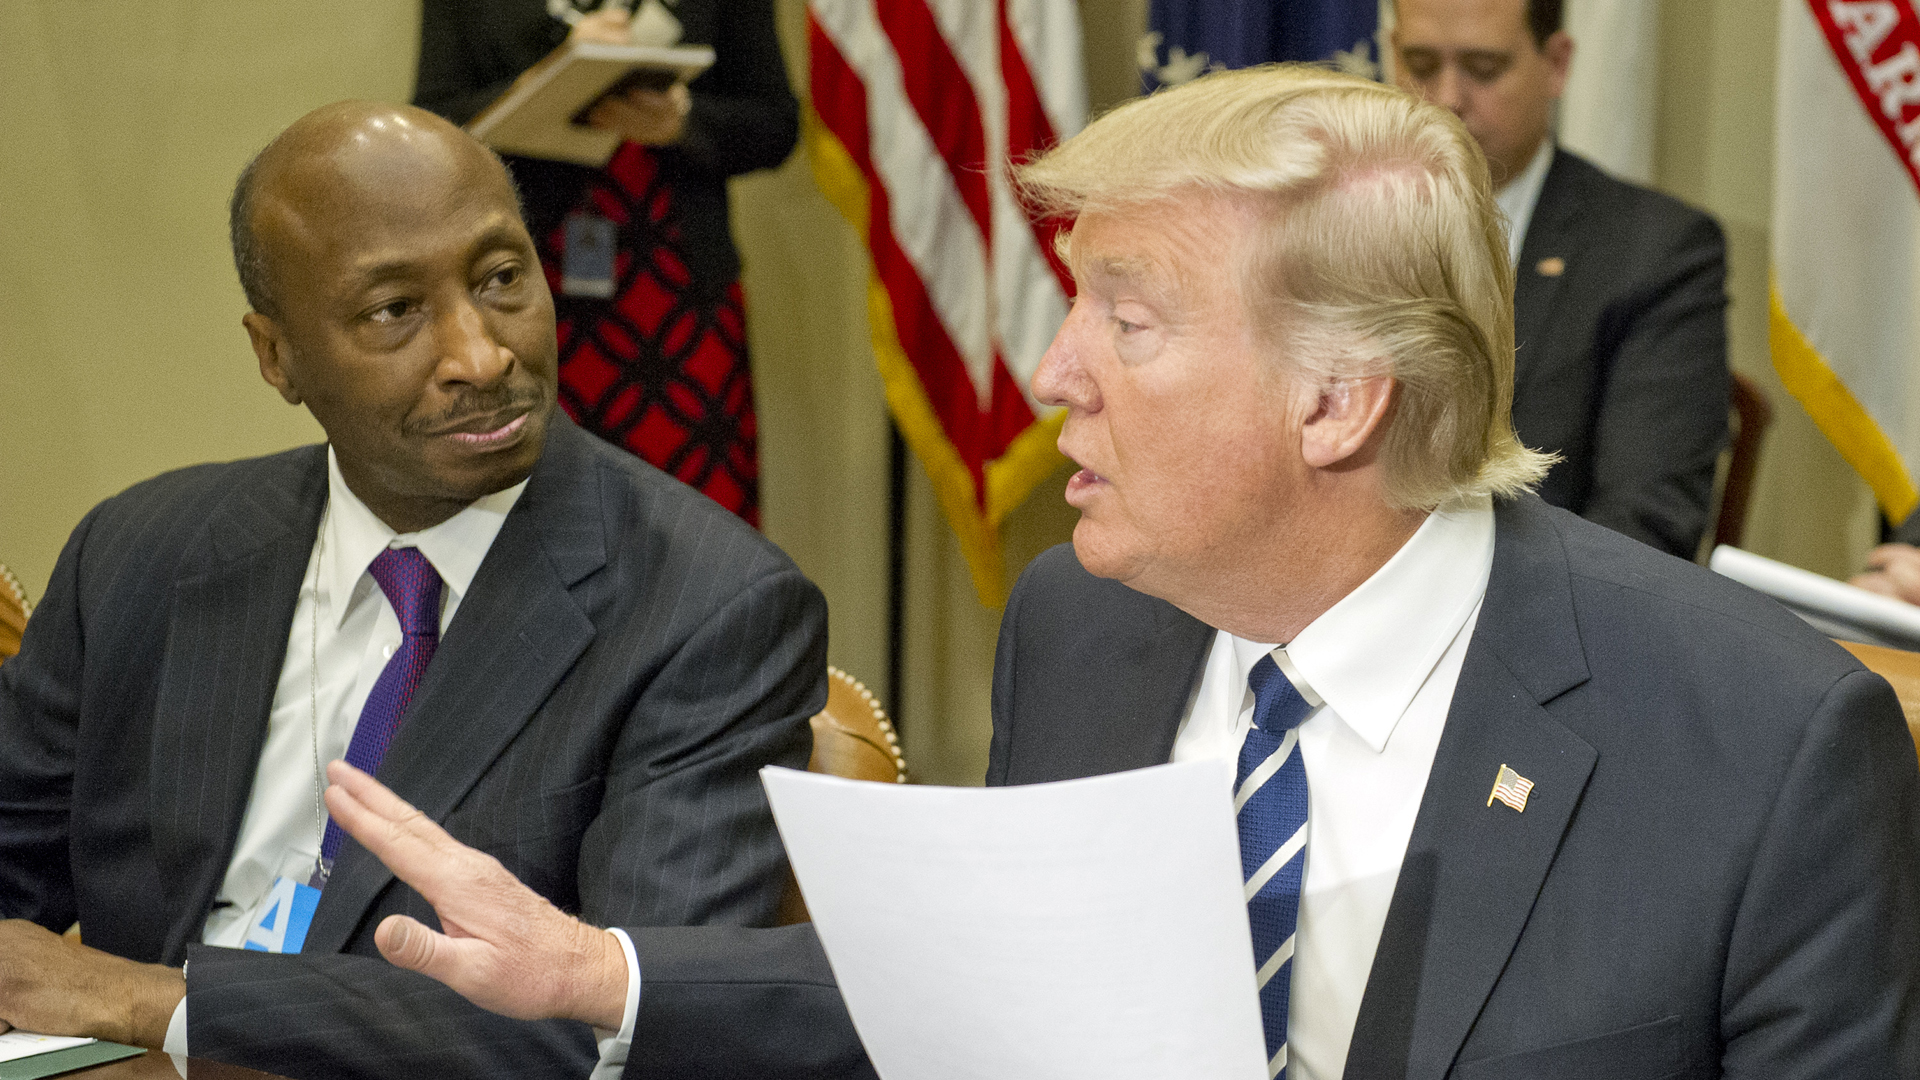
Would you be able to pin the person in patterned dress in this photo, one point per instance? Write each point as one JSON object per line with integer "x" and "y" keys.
{"x": 654, "y": 360}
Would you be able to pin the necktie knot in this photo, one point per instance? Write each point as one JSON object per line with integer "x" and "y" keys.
{"x": 1277, "y": 704}
{"x": 412, "y": 587}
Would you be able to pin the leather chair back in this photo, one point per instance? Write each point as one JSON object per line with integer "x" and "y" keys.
{"x": 14, "y": 610}
{"x": 1752, "y": 414}
{"x": 852, "y": 737}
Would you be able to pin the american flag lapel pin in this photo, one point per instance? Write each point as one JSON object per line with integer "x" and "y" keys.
{"x": 1511, "y": 788}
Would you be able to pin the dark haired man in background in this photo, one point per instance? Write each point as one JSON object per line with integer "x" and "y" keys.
{"x": 1620, "y": 304}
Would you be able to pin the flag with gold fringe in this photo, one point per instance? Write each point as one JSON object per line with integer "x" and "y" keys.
{"x": 1185, "y": 38}
{"x": 917, "y": 107}
{"x": 1845, "y": 328}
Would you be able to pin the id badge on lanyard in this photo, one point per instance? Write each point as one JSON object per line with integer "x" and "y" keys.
{"x": 281, "y": 926}
{"x": 586, "y": 257}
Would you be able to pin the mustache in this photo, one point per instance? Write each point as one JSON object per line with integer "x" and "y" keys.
{"x": 471, "y": 404}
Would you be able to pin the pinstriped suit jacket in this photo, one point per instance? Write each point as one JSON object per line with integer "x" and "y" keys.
{"x": 627, "y": 659}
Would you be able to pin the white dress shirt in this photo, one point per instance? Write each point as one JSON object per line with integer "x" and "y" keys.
{"x": 1380, "y": 668}
{"x": 344, "y": 631}
{"x": 1521, "y": 194}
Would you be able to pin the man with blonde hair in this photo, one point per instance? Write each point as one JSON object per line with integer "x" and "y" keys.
{"x": 1517, "y": 796}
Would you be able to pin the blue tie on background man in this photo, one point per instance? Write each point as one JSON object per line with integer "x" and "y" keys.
{"x": 1187, "y": 37}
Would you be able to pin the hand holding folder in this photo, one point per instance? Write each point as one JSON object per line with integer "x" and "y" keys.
{"x": 543, "y": 113}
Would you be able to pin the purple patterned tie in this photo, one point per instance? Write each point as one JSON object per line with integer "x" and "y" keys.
{"x": 413, "y": 588}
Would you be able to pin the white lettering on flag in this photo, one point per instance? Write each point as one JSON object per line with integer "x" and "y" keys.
{"x": 1867, "y": 24}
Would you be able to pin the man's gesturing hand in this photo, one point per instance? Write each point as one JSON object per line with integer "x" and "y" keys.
{"x": 505, "y": 947}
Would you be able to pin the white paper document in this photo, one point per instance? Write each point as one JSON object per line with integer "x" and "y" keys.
{"x": 21, "y": 1044}
{"x": 1090, "y": 928}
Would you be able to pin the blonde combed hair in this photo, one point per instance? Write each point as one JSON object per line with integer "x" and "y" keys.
{"x": 1381, "y": 250}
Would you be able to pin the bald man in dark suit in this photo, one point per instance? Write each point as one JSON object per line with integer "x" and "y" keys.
{"x": 582, "y": 664}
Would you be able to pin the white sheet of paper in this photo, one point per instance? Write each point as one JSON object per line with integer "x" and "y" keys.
{"x": 15, "y": 1045}
{"x": 1091, "y": 928}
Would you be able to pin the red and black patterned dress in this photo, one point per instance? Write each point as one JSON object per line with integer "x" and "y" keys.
{"x": 661, "y": 367}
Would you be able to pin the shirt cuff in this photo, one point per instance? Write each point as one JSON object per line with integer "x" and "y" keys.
{"x": 613, "y": 1045}
{"x": 176, "y": 1043}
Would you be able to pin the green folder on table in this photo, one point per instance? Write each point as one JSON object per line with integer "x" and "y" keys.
{"x": 55, "y": 1062}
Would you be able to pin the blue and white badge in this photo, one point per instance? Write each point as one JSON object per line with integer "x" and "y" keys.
{"x": 282, "y": 924}
{"x": 586, "y": 260}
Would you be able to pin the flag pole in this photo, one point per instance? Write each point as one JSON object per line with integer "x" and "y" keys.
{"x": 896, "y": 567}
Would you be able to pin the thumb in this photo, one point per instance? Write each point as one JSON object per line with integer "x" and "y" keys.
{"x": 406, "y": 943}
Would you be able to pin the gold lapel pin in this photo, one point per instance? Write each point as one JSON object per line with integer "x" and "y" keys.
{"x": 1511, "y": 788}
{"x": 1551, "y": 266}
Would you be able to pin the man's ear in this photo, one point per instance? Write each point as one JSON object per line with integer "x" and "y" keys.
{"x": 1559, "y": 53}
{"x": 1348, "y": 415}
{"x": 271, "y": 347}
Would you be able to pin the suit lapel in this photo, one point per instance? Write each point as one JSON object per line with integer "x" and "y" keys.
{"x": 1473, "y": 870}
{"x": 517, "y": 633}
{"x": 1552, "y": 233}
{"x": 225, "y": 645}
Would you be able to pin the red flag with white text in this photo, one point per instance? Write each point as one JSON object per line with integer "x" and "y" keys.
{"x": 1846, "y": 232}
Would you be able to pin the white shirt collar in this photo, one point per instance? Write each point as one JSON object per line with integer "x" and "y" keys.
{"x": 1369, "y": 654}
{"x": 1521, "y": 194}
{"x": 354, "y": 536}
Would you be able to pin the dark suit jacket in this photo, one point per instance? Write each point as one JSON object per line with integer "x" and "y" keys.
{"x": 744, "y": 115}
{"x": 1622, "y": 359}
{"x": 1717, "y": 872}
{"x": 627, "y": 658}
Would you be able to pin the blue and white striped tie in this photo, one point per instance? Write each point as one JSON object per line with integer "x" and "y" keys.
{"x": 1270, "y": 798}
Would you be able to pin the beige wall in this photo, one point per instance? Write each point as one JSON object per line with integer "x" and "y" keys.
{"x": 121, "y": 352}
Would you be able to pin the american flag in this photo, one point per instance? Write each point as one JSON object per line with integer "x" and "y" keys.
{"x": 917, "y": 106}
{"x": 1510, "y": 788}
